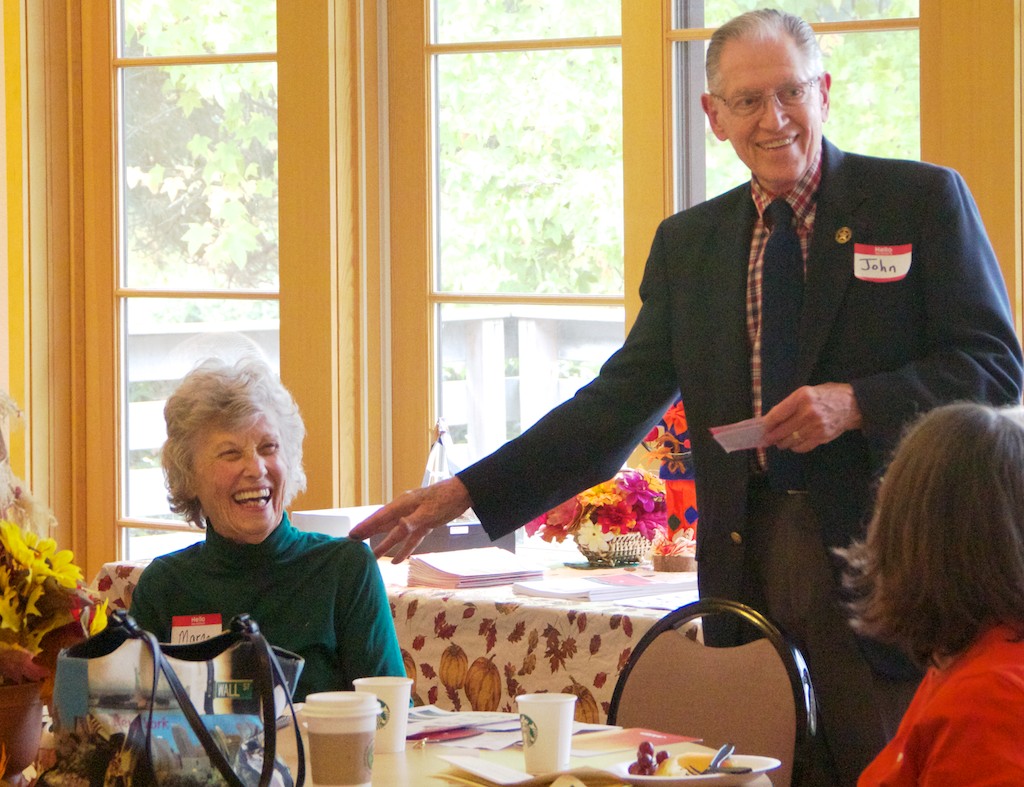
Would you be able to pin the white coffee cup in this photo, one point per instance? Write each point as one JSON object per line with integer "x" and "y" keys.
{"x": 341, "y": 726}
{"x": 546, "y": 720}
{"x": 393, "y": 695}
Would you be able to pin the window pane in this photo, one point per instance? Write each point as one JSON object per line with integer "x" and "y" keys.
{"x": 530, "y": 172}
{"x": 500, "y": 20}
{"x": 200, "y": 177}
{"x": 140, "y": 544}
{"x": 164, "y": 339}
{"x": 875, "y": 102}
{"x": 876, "y": 92}
{"x": 718, "y": 12}
{"x": 503, "y": 367}
{"x": 151, "y": 28}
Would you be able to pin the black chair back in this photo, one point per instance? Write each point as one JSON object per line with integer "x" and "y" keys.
{"x": 757, "y": 695}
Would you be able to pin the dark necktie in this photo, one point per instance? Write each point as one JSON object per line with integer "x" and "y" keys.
{"x": 782, "y": 286}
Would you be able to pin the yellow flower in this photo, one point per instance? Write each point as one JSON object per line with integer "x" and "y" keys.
{"x": 39, "y": 555}
{"x": 604, "y": 494}
{"x": 15, "y": 544}
{"x": 10, "y": 609}
{"x": 32, "y": 599}
{"x": 64, "y": 570}
{"x": 98, "y": 620}
{"x": 40, "y": 593}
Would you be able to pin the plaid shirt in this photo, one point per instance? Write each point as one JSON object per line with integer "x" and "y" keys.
{"x": 803, "y": 200}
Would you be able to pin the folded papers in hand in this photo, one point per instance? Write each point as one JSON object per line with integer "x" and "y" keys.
{"x": 741, "y": 435}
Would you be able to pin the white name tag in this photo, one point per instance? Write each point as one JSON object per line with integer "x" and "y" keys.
{"x": 186, "y": 629}
{"x": 881, "y": 263}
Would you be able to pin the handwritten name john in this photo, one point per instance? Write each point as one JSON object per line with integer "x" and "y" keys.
{"x": 875, "y": 265}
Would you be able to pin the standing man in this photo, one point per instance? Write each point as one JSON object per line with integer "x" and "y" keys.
{"x": 900, "y": 306}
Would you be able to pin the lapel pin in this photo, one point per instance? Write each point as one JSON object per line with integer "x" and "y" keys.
{"x": 843, "y": 235}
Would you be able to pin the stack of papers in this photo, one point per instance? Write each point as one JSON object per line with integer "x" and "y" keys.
{"x": 486, "y": 730}
{"x": 470, "y": 568}
{"x": 607, "y": 587}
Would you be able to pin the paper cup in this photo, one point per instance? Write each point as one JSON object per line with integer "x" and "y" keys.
{"x": 341, "y": 727}
{"x": 393, "y": 695}
{"x": 546, "y": 720}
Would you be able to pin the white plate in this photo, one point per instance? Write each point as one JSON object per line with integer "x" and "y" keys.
{"x": 757, "y": 765}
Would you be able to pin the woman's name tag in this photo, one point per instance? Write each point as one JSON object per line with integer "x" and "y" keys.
{"x": 186, "y": 629}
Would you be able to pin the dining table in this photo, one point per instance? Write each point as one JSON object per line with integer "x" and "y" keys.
{"x": 422, "y": 764}
{"x": 478, "y": 648}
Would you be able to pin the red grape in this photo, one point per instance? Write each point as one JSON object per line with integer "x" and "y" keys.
{"x": 645, "y": 763}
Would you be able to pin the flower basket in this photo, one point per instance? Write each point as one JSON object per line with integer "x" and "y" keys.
{"x": 621, "y": 550}
{"x": 612, "y": 523}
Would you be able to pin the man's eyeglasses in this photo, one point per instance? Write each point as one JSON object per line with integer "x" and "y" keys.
{"x": 794, "y": 94}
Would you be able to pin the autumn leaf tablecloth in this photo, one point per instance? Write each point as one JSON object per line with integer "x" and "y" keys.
{"x": 116, "y": 582}
{"x": 479, "y": 649}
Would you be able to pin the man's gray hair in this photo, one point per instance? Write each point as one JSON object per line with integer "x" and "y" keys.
{"x": 764, "y": 24}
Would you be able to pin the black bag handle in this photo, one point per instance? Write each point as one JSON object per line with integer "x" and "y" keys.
{"x": 277, "y": 676}
{"x": 268, "y": 674}
{"x": 132, "y": 629}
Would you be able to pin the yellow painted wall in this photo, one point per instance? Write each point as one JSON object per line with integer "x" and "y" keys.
{"x": 979, "y": 140}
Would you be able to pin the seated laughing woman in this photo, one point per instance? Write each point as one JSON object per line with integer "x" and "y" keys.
{"x": 942, "y": 573}
{"x": 233, "y": 463}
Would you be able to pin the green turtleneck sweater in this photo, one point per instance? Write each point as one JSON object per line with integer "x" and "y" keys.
{"x": 317, "y": 596}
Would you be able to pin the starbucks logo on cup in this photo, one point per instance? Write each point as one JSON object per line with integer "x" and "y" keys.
{"x": 529, "y": 730}
{"x": 384, "y": 715}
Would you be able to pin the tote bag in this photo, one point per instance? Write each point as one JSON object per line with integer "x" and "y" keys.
{"x": 129, "y": 711}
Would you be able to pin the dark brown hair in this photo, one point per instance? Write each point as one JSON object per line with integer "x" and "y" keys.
{"x": 944, "y": 556}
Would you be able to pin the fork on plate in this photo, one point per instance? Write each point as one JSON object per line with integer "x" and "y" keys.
{"x": 715, "y": 766}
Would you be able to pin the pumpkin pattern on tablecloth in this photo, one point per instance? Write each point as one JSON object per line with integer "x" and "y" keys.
{"x": 454, "y": 666}
{"x": 586, "y": 706}
{"x": 483, "y": 685}
{"x": 481, "y": 654}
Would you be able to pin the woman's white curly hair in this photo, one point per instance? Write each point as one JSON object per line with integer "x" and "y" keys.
{"x": 219, "y": 395}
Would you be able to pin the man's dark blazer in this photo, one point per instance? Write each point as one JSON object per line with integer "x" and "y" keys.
{"x": 943, "y": 333}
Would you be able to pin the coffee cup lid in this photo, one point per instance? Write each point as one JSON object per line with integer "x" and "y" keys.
{"x": 340, "y": 703}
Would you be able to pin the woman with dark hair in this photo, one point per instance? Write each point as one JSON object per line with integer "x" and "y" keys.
{"x": 233, "y": 463}
{"x": 942, "y": 574}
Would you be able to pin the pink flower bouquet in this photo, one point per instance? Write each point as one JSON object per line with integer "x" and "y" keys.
{"x": 631, "y": 502}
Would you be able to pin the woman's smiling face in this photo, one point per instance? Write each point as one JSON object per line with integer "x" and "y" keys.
{"x": 240, "y": 480}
